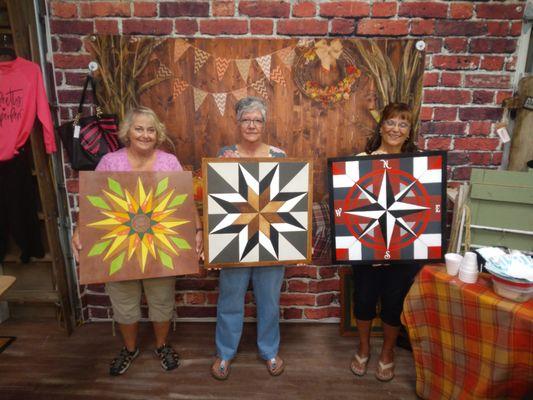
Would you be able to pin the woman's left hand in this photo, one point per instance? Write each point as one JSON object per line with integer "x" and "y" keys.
{"x": 200, "y": 244}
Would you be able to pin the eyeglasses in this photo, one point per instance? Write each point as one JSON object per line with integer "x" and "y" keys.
{"x": 249, "y": 122}
{"x": 390, "y": 123}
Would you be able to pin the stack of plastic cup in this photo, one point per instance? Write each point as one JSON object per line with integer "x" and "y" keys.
{"x": 469, "y": 272}
{"x": 453, "y": 262}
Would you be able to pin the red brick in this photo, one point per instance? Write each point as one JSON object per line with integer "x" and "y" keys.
{"x": 461, "y": 10}
{"x": 492, "y": 63}
{"x": 212, "y": 298}
{"x": 322, "y": 313}
{"x": 324, "y": 285}
{"x": 106, "y": 26}
{"x": 261, "y": 26}
{"x": 185, "y": 26}
{"x": 460, "y": 28}
{"x": 480, "y": 128}
{"x": 433, "y": 45}
{"x": 482, "y": 96}
{"x": 222, "y": 8}
{"x": 105, "y": 9}
{"x": 345, "y": 9}
{"x": 342, "y": 26}
{"x": 70, "y": 44}
{"x": 272, "y": 9}
{"x": 196, "y": 311}
{"x": 510, "y": 65}
{"x": 431, "y": 79}
{"x": 516, "y": 28}
{"x": 144, "y": 9}
{"x": 497, "y": 157}
{"x": 503, "y": 95}
{"x": 439, "y": 143}
{"x": 383, "y": 27}
{"x": 297, "y": 299}
{"x": 292, "y": 313}
{"x": 480, "y": 113}
{"x": 325, "y": 299}
{"x": 488, "y": 81}
{"x": 301, "y": 271}
{"x": 71, "y": 27}
{"x": 445, "y": 113}
{"x": 196, "y": 284}
{"x": 452, "y": 79}
{"x": 426, "y": 113}
{"x": 224, "y": 27}
{"x": 497, "y": 28}
{"x": 75, "y": 78}
{"x": 327, "y": 272}
{"x": 72, "y": 61}
{"x": 388, "y": 9}
{"x": 456, "y": 158}
{"x": 480, "y": 158}
{"x": 62, "y": 9}
{"x": 447, "y": 96}
{"x": 302, "y": 27}
{"x": 456, "y": 45}
{"x": 195, "y": 298}
{"x": 147, "y": 26}
{"x": 99, "y": 312}
{"x": 499, "y": 11}
{"x": 424, "y": 9}
{"x": 486, "y": 45}
{"x": 304, "y": 9}
{"x": 298, "y": 285}
{"x": 73, "y": 186}
{"x": 461, "y": 173}
{"x": 184, "y": 9}
{"x": 422, "y": 27}
{"x": 443, "y": 128}
{"x": 456, "y": 62}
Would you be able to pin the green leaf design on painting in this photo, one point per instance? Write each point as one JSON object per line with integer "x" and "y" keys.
{"x": 166, "y": 260}
{"x": 161, "y": 186}
{"x": 181, "y": 243}
{"x": 178, "y": 200}
{"x": 99, "y": 248}
{"x": 117, "y": 263}
{"x": 97, "y": 201}
{"x": 115, "y": 186}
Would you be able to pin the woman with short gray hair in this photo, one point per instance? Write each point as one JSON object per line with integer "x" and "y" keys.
{"x": 266, "y": 281}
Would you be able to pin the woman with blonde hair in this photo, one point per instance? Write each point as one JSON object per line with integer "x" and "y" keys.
{"x": 142, "y": 133}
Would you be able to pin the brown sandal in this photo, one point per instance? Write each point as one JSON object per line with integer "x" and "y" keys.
{"x": 220, "y": 369}
{"x": 385, "y": 372}
{"x": 275, "y": 366}
{"x": 359, "y": 365}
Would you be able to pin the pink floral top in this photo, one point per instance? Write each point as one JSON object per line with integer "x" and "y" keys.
{"x": 232, "y": 152}
{"x": 118, "y": 161}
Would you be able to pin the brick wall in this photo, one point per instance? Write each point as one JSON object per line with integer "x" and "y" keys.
{"x": 471, "y": 50}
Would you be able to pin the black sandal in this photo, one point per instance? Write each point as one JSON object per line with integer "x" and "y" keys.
{"x": 122, "y": 362}
{"x": 169, "y": 358}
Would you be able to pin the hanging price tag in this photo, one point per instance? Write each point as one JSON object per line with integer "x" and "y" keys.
{"x": 76, "y": 131}
{"x": 501, "y": 130}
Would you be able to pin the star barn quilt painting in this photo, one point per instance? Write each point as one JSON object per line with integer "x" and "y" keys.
{"x": 257, "y": 211}
{"x": 136, "y": 226}
{"x": 388, "y": 208}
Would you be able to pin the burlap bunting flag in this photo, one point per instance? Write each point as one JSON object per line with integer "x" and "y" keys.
{"x": 199, "y": 97}
{"x": 287, "y": 56}
{"x": 240, "y": 93}
{"x": 220, "y": 100}
{"x": 163, "y": 72}
{"x": 200, "y": 57}
{"x": 221, "y": 66}
{"x": 244, "y": 68}
{"x": 260, "y": 87}
{"x": 178, "y": 86}
{"x": 264, "y": 62}
{"x": 277, "y": 76}
{"x": 180, "y": 47}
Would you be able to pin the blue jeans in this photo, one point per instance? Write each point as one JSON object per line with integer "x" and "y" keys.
{"x": 233, "y": 284}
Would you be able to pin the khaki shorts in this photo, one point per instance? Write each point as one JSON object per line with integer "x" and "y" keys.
{"x": 126, "y": 299}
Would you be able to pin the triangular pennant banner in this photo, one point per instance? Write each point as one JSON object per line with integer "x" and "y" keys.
{"x": 277, "y": 76}
{"x": 260, "y": 87}
{"x": 199, "y": 97}
{"x": 240, "y": 93}
{"x": 264, "y": 62}
{"x": 178, "y": 86}
{"x": 220, "y": 100}
{"x": 287, "y": 55}
{"x": 244, "y": 68}
{"x": 163, "y": 72}
{"x": 180, "y": 47}
{"x": 200, "y": 57}
{"x": 221, "y": 65}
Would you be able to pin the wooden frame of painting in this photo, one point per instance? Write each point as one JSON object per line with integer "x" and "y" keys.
{"x": 257, "y": 211}
{"x": 348, "y": 324}
{"x": 388, "y": 208}
{"x": 136, "y": 225}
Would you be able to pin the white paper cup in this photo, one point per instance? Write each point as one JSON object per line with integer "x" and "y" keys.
{"x": 453, "y": 262}
{"x": 470, "y": 257}
{"x": 467, "y": 276}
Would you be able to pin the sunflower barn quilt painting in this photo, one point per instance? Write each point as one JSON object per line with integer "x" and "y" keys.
{"x": 136, "y": 225}
{"x": 388, "y": 208}
{"x": 257, "y": 211}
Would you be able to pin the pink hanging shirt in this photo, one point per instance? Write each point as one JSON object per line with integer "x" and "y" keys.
{"x": 22, "y": 97}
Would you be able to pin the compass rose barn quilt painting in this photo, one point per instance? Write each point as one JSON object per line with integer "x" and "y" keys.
{"x": 388, "y": 208}
{"x": 136, "y": 226}
{"x": 257, "y": 211}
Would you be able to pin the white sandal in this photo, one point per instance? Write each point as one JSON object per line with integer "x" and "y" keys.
{"x": 382, "y": 373}
{"x": 359, "y": 365}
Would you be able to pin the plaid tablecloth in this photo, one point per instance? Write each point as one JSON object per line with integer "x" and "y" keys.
{"x": 468, "y": 342}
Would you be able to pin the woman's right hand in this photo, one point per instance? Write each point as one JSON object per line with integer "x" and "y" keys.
{"x": 76, "y": 245}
